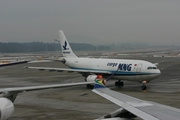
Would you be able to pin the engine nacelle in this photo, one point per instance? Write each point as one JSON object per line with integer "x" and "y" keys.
{"x": 91, "y": 78}
{"x": 119, "y": 114}
{"x": 116, "y": 118}
{"x": 63, "y": 61}
{"x": 6, "y": 108}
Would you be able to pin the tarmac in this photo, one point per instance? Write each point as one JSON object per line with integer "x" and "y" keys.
{"x": 80, "y": 103}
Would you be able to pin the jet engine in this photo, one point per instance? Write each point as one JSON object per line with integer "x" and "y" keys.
{"x": 6, "y": 108}
{"x": 63, "y": 61}
{"x": 116, "y": 118}
{"x": 119, "y": 114}
{"x": 91, "y": 78}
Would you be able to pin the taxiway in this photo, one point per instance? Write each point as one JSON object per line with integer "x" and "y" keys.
{"x": 78, "y": 102}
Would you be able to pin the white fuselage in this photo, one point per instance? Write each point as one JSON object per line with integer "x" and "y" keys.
{"x": 133, "y": 70}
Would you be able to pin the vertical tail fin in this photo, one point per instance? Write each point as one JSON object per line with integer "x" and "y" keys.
{"x": 99, "y": 82}
{"x": 66, "y": 48}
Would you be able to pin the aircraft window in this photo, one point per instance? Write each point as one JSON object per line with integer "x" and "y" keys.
{"x": 154, "y": 67}
{"x": 149, "y": 68}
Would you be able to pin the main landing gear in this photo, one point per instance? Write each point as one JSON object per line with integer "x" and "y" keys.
{"x": 143, "y": 87}
{"x": 89, "y": 86}
{"x": 119, "y": 83}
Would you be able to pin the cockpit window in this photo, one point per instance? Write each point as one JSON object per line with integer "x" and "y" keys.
{"x": 154, "y": 67}
{"x": 151, "y": 68}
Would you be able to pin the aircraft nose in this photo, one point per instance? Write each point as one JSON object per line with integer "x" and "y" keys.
{"x": 158, "y": 72}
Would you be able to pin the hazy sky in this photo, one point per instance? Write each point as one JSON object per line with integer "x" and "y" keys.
{"x": 91, "y": 21}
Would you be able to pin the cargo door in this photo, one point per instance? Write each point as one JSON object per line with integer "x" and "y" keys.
{"x": 138, "y": 69}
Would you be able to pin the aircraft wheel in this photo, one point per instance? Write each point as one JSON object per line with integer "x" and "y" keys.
{"x": 89, "y": 86}
{"x": 121, "y": 84}
{"x": 116, "y": 83}
{"x": 92, "y": 87}
{"x": 143, "y": 87}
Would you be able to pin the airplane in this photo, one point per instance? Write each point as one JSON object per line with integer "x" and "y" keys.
{"x": 131, "y": 107}
{"x": 118, "y": 69}
{"x": 8, "y": 63}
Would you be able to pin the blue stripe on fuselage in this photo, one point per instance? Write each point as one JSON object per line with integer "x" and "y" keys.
{"x": 117, "y": 73}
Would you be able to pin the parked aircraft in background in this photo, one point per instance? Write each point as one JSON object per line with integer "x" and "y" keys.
{"x": 119, "y": 69}
{"x": 8, "y": 63}
{"x": 131, "y": 107}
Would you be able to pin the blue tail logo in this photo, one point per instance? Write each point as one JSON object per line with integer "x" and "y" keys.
{"x": 65, "y": 46}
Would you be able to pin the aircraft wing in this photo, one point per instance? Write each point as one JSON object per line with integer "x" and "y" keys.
{"x": 11, "y": 93}
{"x": 69, "y": 70}
{"x": 145, "y": 110}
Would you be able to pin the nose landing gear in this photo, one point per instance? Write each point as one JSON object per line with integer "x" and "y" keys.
{"x": 143, "y": 87}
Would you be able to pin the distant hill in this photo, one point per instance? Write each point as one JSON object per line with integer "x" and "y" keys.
{"x": 14, "y": 47}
